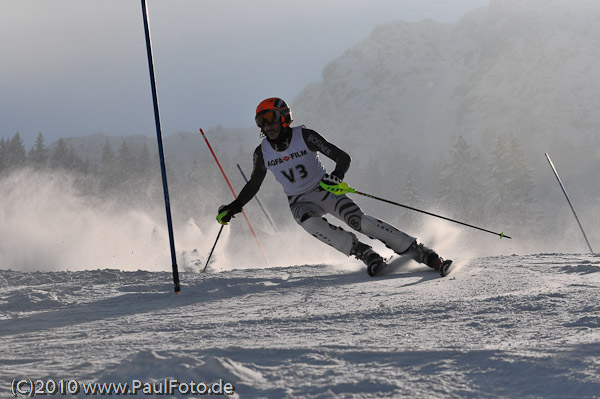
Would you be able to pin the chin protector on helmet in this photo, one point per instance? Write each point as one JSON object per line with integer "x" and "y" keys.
{"x": 272, "y": 109}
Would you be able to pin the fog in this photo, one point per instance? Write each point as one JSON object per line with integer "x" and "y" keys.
{"x": 453, "y": 119}
{"x": 47, "y": 224}
{"x": 78, "y": 67}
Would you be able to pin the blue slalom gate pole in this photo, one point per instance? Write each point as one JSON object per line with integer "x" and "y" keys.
{"x": 161, "y": 153}
{"x": 569, "y": 201}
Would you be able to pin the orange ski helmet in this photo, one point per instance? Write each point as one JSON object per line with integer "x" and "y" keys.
{"x": 271, "y": 109}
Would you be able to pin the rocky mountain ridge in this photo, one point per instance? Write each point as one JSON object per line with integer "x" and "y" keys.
{"x": 525, "y": 68}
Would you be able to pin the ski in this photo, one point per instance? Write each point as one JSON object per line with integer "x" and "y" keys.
{"x": 391, "y": 265}
{"x": 387, "y": 267}
{"x": 445, "y": 268}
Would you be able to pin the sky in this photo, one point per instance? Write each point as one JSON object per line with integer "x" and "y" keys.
{"x": 78, "y": 67}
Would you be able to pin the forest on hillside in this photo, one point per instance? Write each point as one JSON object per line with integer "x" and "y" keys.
{"x": 491, "y": 188}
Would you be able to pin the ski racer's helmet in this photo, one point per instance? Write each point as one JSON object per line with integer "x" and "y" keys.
{"x": 271, "y": 109}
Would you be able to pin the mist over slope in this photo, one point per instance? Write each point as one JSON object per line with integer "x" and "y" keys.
{"x": 450, "y": 118}
{"x": 405, "y": 101}
{"x": 524, "y": 67}
{"x": 453, "y": 119}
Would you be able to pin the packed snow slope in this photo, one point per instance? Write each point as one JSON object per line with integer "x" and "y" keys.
{"x": 497, "y": 327}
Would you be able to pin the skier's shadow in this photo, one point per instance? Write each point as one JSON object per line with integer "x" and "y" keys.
{"x": 403, "y": 267}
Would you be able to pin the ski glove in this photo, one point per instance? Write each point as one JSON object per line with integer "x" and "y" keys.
{"x": 331, "y": 180}
{"x": 225, "y": 213}
{"x": 333, "y": 184}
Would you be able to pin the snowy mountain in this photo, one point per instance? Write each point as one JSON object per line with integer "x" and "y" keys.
{"x": 497, "y": 327}
{"x": 527, "y": 68}
{"x": 530, "y": 68}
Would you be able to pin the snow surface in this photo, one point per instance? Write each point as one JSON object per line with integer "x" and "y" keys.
{"x": 498, "y": 327}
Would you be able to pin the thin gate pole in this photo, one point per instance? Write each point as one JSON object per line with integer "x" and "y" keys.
{"x": 258, "y": 201}
{"x": 569, "y": 201}
{"x": 262, "y": 252}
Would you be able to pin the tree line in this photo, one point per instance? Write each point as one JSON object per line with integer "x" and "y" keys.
{"x": 122, "y": 172}
{"x": 14, "y": 156}
{"x": 492, "y": 186}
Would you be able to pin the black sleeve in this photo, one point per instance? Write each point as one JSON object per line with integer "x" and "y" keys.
{"x": 315, "y": 142}
{"x": 259, "y": 171}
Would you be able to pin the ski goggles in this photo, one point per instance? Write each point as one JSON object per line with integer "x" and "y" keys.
{"x": 267, "y": 116}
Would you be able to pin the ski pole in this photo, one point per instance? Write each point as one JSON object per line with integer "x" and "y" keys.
{"x": 257, "y": 200}
{"x": 343, "y": 188}
{"x": 235, "y": 196}
{"x": 569, "y": 201}
{"x": 213, "y": 248}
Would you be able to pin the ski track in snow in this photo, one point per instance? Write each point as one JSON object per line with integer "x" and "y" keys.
{"x": 496, "y": 327}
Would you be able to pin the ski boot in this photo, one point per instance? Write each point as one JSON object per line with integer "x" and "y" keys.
{"x": 371, "y": 258}
{"x": 429, "y": 257}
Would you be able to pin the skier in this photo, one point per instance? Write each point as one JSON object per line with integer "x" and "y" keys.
{"x": 291, "y": 154}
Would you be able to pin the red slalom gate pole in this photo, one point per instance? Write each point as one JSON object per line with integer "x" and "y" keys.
{"x": 262, "y": 252}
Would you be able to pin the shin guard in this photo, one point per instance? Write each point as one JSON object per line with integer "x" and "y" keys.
{"x": 393, "y": 238}
{"x": 332, "y": 235}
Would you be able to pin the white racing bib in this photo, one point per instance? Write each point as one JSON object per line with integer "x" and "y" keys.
{"x": 297, "y": 169}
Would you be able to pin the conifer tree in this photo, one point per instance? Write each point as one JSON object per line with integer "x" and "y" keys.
{"x": 126, "y": 164}
{"x": 127, "y": 160}
{"x": 38, "y": 155}
{"x": 108, "y": 155}
{"x": 521, "y": 185}
{"x": 461, "y": 182}
{"x": 511, "y": 184}
{"x": 16, "y": 155}
{"x": 107, "y": 168}
{"x": 3, "y": 155}
{"x": 144, "y": 162}
{"x": 74, "y": 162}
{"x": 60, "y": 158}
{"x": 499, "y": 180}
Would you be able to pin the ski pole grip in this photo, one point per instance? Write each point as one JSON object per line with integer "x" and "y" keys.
{"x": 220, "y": 217}
{"x": 337, "y": 189}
